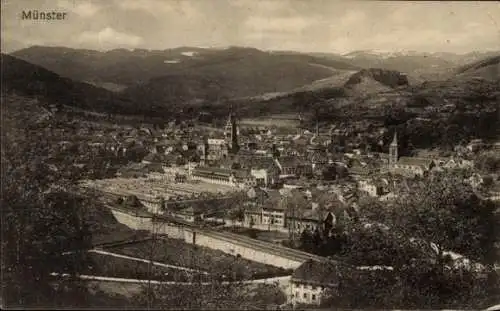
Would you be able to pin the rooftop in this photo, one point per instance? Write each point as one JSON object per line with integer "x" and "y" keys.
{"x": 289, "y": 161}
{"x": 415, "y": 161}
{"x": 324, "y": 273}
{"x": 213, "y": 170}
{"x": 152, "y": 188}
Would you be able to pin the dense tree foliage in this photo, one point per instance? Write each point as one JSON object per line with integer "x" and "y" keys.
{"x": 420, "y": 286}
{"x": 42, "y": 216}
{"x": 448, "y": 129}
{"x": 213, "y": 296}
{"x": 40, "y": 221}
{"x": 222, "y": 288}
{"x": 444, "y": 209}
{"x": 488, "y": 162}
{"x": 431, "y": 216}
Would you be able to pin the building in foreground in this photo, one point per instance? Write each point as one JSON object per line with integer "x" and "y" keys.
{"x": 317, "y": 282}
{"x": 312, "y": 280}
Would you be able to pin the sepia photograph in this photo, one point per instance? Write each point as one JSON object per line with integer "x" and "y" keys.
{"x": 316, "y": 155}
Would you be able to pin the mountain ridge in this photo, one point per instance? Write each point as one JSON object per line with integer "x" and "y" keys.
{"x": 19, "y": 76}
{"x": 131, "y": 67}
{"x": 216, "y": 82}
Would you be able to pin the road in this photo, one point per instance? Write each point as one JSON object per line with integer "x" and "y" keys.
{"x": 282, "y": 280}
{"x": 155, "y": 263}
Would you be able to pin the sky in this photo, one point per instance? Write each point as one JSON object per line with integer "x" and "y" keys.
{"x": 331, "y": 26}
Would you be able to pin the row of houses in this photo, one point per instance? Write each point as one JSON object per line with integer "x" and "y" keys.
{"x": 293, "y": 210}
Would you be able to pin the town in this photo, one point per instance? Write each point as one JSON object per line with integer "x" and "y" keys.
{"x": 294, "y": 204}
{"x": 242, "y": 155}
{"x": 272, "y": 187}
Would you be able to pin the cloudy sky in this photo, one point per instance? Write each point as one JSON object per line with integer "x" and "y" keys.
{"x": 312, "y": 25}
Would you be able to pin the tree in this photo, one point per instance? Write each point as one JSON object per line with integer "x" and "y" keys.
{"x": 162, "y": 203}
{"x": 236, "y": 200}
{"x": 489, "y": 162}
{"x": 180, "y": 161}
{"x": 341, "y": 171}
{"x": 41, "y": 219}
{"x": 443, "y": 209}
{"x": 213, "y": 291}
{"x": 363, "y": 289}
{"x": 235, "y": 166}
{"x": 329, "y": 173}
{"x": 236, "y": 214}
{"x": 214, "y": 295}
{"x": 306, "y": 240}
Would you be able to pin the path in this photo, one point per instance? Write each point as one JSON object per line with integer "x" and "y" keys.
{"x": 156, "y": 263}
{"x": 280, "y": 280}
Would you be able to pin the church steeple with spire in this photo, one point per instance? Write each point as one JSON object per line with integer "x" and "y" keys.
{"x": 393, "y": 150}
{"x": 231, "y": 132}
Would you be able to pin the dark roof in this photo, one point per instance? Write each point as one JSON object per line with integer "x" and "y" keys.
{"x": 325, "y": 273}
{"x": 360, "y": 170}
{"x": 273, "y": 194}
{"x": 273, "y": 204}
{"x": 155, "y": 167}
{"x": 189, "y": 211}
{"x": 319, "y": 158}
{"x": 155, "y": 158}
{"x": 314, "y": 147}
{"x": 241, "y": 174}
{"x": 415, "y": 161}
{"x": 212, "y": 170}
{"x": 301, "y": 141}
{"x": 289, "y": 161}
{"x": 195, "y": 209}
{"x": 257, "y": 162}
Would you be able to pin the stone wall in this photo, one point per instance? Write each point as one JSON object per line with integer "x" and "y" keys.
{"x": 235, "y": 248}
{"x": 145, "y": 222}
{"x": 259, "y": 251}
{"x": 135, "y": 222}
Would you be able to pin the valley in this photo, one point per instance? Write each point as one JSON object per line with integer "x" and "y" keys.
{"x": 304, "y": 156}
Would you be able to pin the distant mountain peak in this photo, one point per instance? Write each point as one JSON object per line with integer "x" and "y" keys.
{"x": 488, "y": 68}
{"x": 377, "y": 79}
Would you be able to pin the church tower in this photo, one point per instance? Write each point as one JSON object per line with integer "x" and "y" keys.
{"x": 393, "y": 150}
{"x": 231, "y": 132}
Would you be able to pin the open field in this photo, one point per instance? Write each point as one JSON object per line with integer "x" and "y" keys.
{"x": 109, "y": 266}
{"x": 177, "y": 252}
{"x": 199, "y": 186}
{"x": 277, "y": 121}
{"x": 120, "y": 235}
{"x": 127, "y": 290}
{"x": 151, "y": 188}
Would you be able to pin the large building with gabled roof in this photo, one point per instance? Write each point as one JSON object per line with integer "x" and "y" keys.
{"x": 409, "y": 166}
{"x": 311, "y": 280}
